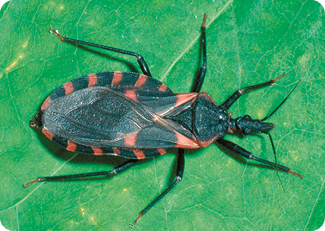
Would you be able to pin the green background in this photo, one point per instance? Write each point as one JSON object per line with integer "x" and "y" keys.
{"x": 249, "y": 42}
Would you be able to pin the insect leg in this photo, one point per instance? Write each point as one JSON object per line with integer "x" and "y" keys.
{"x": 241, "y": 91}
{"x": 179, "y": 175}
{"x": 242, "y": 152}
{"x": 180, "y": 160}
{"x": 200, "y": 77}
{"x": 114, "y": 171}
{"x": 143, "y": 65}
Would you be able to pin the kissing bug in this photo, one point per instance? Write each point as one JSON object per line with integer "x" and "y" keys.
{"x": 135, "y": 116}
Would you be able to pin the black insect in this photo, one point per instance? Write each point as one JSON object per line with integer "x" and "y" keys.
{"x": 135, "y": 116}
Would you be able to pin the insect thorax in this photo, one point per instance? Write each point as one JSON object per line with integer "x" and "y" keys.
{"x": 206, "y": 120}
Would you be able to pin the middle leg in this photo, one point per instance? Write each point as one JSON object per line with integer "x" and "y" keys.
{"x": 180, "y": 159}
{"x": 200, "y": 77}
{"x": 179, "y": 176}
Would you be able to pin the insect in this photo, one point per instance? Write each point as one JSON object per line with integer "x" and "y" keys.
{"x": 135, "y": 116}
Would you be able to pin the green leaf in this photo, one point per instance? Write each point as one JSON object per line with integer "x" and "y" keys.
{"x": 248, "y": 42}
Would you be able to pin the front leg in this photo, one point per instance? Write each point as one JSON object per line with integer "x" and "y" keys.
{"x": 242, "y": 152}
{"x": 227, "y": 104}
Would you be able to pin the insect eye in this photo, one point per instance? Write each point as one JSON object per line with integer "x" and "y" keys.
{"x": 247, "y": 117}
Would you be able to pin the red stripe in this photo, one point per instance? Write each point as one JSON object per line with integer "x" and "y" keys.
{"x": 97, "y": 151}
{"x": 163, "y": 87}
{"x": 139, "y": 154}
{"x": 161, "y": 151}
{"x": 68, "y": 88}
{"x": 47, "y": 133}
{"x": 131, "y": 94}
{"x": 72, "y": 146}
{"x": 184, "y": 98}
{"x": 92, "y": 80}
{"x": 141, "y": 80}
{"x": 130, "y": 140}
{"x": 46, "y": 103}
{"x": 184, "y": 142}
{"x": 117, "y": 77}
{"x": 206, "y": 143}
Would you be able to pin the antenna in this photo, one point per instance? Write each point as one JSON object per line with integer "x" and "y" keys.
{"x": 281, "y": 102}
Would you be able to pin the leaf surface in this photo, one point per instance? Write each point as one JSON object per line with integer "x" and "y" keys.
{"x": 248, "y": 42}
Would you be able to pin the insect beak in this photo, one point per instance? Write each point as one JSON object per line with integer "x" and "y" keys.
{"x": 247, "y": 125}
